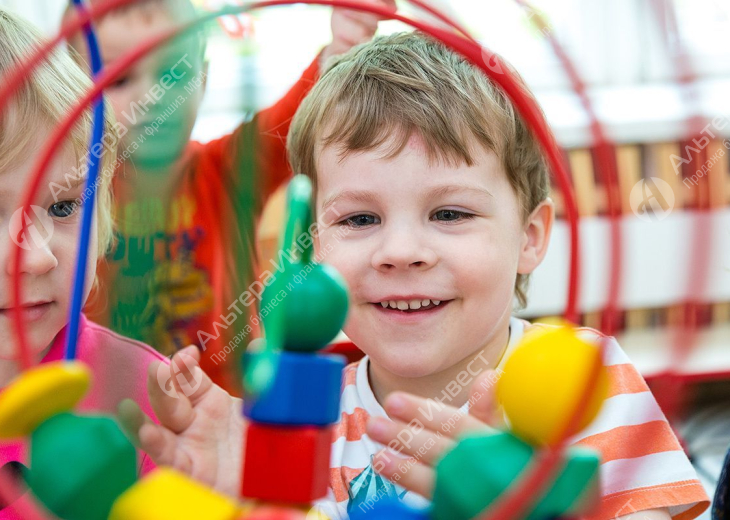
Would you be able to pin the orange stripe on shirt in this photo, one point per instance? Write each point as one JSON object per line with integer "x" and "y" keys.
{"x": 628, "y": 442}
{"x": 340, "y": 479}
{"x": 654, "y": 497}
{"x": 351, "y": 426}
{"x": 625, "y": 379}
{"x": 350, "y": 374}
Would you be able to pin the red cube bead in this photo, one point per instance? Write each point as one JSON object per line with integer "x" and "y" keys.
{"x": 286, "y": 464}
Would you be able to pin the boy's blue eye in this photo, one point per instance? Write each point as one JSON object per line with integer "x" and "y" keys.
{"x": 63, "y": 209}
{"x": 361, "y": 221}
{"x": 451, "y": 215}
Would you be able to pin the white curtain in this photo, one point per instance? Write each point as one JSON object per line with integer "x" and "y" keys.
{"x": 46, "y": 14}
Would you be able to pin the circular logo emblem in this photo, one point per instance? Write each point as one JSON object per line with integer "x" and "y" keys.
{"x": 188, "y": 385}
{"x": 33, "y": 228}
{"x": 652, "y": 199}
{"x": 493, "y": 61}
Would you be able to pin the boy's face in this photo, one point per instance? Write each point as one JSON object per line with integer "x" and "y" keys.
{"x": 153, "y": 87}
{"x": 49, "y": 243}
{"x": 417, "y": 232}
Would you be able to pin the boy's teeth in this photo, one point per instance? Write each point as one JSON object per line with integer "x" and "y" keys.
{"x": 411, "y": 304}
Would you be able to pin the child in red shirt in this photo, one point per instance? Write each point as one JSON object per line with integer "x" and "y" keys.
{"x": 187, "y": 212}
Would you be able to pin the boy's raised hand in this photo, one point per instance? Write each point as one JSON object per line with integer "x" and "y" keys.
{"x": 426, "y": 437}
{"x": 201, "y": 427}
{"x": 350, "y": 28}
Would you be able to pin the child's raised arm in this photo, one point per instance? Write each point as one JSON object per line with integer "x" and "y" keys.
{"x": 201, "y": 427}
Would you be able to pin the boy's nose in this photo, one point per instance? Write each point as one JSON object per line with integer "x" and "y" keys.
{"x": 403, "y": 248}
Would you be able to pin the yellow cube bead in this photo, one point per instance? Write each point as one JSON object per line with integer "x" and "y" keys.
{"x": 166, "y": 494}
{"x": 40, "y": 393}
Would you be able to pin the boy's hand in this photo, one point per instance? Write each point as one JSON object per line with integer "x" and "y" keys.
{"x": 201, "y": 427}
{"x": 438, "y": 435}
{"x": 350, "y": 28}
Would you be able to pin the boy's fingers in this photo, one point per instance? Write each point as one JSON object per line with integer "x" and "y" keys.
{"x": 131, "y": 419}
{"x": 422, "y": 443}
{"x": 173, "y": 409}
{"x": 161, "y": 445}
{"x": 366, "y": 21}
{"x": 484, "y": 400}
{"x": 408, "y": 473}
{"x": 431, "y": 414}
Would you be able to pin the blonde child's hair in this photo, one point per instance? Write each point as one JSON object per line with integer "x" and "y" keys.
{"x": 406, "y": 84}
{"x": 45, "y": 98}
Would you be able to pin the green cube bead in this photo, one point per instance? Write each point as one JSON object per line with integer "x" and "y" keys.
{"x": 480, "y": 468}
{"x": 80, "y": 465}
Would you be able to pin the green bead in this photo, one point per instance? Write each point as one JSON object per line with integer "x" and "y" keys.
{"x": 315, "y": 306}
{"x": 480, "y": 468}
{"x": 472, "y": 475}
{"x": 80, "y": 465}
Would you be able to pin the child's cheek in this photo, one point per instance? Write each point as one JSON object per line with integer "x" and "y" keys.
{"x": 335, "y": 251}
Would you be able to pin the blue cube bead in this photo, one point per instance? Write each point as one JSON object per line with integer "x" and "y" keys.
{"x": 305, "y": 391}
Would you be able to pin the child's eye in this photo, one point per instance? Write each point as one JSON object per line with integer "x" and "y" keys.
{"x": 451, "y": 215}
{"x": 63, "y": 209}
{"x": 358, "y": 221}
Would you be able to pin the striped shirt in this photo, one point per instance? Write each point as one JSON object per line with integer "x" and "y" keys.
{"x": 643, "y": 465}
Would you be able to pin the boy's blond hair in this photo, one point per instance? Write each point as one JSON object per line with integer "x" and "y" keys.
{"x": 405, "y": 84}
{"x": 43, "y": 101}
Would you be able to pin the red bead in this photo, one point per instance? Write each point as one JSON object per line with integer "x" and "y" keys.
{"x": 286, "y": 464}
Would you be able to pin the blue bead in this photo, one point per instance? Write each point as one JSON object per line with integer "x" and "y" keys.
{"x": 305, "y": 391}
{"x": 388, "y": 508}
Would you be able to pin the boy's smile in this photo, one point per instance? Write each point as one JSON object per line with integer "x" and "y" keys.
{"x": 430, "y": 251}
{"x": 410, "y": 309}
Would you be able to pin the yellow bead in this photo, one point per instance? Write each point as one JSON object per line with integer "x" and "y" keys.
{"x": 543, "y": 381}
{"x": 40, "y": 393}
{"x": 168, "y": 495}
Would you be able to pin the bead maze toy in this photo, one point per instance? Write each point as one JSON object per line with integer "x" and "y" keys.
{"x": 291, "y": 418}
{"x": 538, "y": 477}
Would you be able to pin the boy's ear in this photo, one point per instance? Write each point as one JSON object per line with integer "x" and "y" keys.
{"x": 536, "y": 237}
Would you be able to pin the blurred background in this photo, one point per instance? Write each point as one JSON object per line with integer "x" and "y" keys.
{"x": 627, "y": 51}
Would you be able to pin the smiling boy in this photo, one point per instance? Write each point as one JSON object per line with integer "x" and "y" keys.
{"x": 443, "y": 193}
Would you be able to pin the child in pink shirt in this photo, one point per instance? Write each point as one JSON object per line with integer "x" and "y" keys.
{"x": 118, "y": 365}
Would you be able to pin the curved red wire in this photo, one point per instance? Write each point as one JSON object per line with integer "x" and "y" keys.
{"x": 468, "y": 48}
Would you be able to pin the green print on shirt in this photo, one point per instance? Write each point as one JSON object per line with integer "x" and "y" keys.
{"x": 369, "y": 485}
